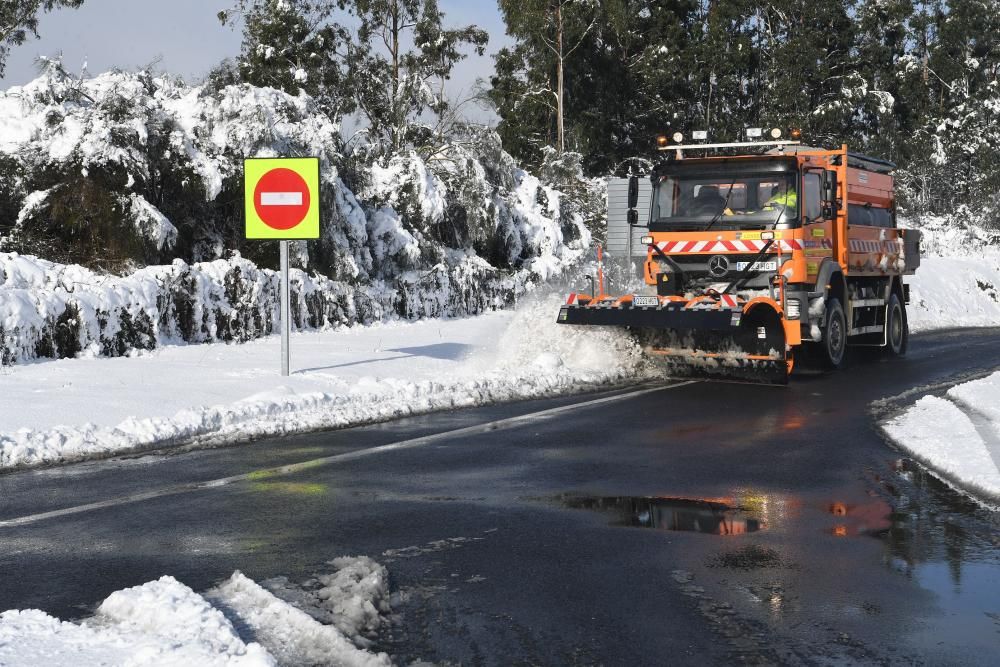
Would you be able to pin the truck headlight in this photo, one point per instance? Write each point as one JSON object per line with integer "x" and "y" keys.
{"x": 646, "y": 240}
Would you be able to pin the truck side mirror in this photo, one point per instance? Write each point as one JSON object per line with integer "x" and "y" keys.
{"x": 829, "y": 185}
{"x": 633, "y": 217}
{"x": 633, "y": 192}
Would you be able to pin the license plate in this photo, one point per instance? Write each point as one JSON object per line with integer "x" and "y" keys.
{"x": 643, "y": 301}
{"x": 757, "y": 266}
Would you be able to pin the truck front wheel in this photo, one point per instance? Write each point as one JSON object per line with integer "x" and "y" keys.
{"x": 834, "y": 345}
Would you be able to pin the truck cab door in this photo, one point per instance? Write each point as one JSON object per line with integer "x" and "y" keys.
{"x": 818, "y": 215}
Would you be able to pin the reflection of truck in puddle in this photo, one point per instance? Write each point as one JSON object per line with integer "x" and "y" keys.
{"x": 714, "y": 516}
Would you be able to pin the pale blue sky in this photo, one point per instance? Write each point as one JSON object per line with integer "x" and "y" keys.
{"x": 187, "y": 38}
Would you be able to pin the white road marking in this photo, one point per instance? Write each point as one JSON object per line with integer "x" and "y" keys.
{"x": 281, "y": 199}
{"x": 268, "y": 473}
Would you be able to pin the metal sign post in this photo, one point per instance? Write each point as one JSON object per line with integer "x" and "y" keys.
{"x": 286, "y": 320}
{"x": 282, "y": 204}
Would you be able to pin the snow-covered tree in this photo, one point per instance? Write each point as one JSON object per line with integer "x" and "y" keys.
{"x": 19, "y": 21}
{"x": 397, "y": 65}
{"x": 953, "y": 76}
{"x": 549, "y": 33}
{"x": 293, "y": 45}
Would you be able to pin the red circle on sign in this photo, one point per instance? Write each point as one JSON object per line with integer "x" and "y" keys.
{"x": 281, "y": 199}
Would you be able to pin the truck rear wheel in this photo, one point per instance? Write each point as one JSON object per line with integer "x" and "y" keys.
{"x": 834, "y": 345}
{"x": 897, "y": 328}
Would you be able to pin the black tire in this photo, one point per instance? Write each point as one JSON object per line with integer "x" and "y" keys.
{"x": 834, "y": 344}
{"x": 897, "y": 328}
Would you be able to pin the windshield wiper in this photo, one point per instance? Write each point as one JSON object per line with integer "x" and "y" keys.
{"x": 725, "y": 205}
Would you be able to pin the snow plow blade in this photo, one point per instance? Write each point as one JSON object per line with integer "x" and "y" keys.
{"x": 708, "y": 338}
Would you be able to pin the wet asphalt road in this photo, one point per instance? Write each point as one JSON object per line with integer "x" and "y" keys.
{"x": 782, "y": 528}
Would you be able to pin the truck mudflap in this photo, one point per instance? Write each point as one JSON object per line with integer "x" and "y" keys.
{"x": 720, "y": 336}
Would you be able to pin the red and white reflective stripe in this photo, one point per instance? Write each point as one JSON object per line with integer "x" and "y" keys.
{"x": 705, "y": 247}
{"x": 729, "y": 301}
{"x": 892, "y": 247}
{"x": 571, "y": 299}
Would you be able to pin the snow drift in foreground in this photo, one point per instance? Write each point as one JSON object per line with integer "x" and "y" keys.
{"x": 73, "y": 409}
{"x": 164, "y": 622}
{"x": 957, "y": 435}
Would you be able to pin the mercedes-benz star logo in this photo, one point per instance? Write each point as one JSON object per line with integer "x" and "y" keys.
{"x": 718, "y": 266}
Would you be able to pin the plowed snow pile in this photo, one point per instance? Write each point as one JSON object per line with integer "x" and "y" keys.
{"x": 957, "y": 435}
{"x": 164, "y": 622}
{"x": 77, "y": 408}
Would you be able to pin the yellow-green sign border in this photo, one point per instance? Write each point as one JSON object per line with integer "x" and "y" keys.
{"x": 308, "y": 169}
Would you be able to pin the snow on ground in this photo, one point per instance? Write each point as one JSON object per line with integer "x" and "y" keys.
{"x": 956, "y": 291}
{"x": 72, "y": 409}
{"x": 355, "y": 598}
{"x": 165, "y": 623}
{"x": 956, "y": 435}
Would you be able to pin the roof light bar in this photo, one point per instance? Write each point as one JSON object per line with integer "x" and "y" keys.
{"x": 735, "y": 144}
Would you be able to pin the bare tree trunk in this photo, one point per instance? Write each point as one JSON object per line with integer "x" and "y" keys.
{"x": 560, "y": 136}
{"x": 708, "y": 107}
{"x": 396, "y": 103}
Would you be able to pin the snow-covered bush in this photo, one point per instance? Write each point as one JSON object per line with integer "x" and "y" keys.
{"x": 57, "y": 310}
{"x": 131, "y": 184}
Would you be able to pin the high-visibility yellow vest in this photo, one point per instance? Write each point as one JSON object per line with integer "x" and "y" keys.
{"x": 788, "y": 199}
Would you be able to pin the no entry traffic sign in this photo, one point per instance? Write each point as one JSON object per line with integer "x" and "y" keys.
{"x": 282, "y": 198}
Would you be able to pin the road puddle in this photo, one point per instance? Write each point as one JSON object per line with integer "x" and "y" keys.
{"x": 949, "y": 545}
{"x": 712, "y": 516}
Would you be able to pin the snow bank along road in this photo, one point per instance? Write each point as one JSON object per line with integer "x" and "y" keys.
{"x": 789, "y": 531}
{"x": 74, "y": 409}
{"x": 957, "y": 435}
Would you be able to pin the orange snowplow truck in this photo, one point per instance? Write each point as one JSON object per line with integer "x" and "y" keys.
{"x": 756, "y": 256}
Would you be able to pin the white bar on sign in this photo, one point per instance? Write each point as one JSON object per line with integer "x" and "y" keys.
{"x": 281, "y": 199}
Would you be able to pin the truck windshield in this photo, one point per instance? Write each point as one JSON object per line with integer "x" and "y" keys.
{"x": 733, "y": 202}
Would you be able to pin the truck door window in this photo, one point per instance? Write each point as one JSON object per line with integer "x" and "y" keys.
{"x": 812, "y": 205}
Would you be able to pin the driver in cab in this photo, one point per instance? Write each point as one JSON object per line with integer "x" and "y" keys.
{"x": 781, "y": 197}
